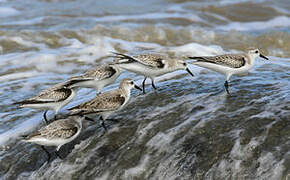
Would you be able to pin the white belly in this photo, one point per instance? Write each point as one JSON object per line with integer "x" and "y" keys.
{"x": 147, "y": 71}
{"x": 227, "y": 71}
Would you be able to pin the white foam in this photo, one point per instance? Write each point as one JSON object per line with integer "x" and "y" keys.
{"x": 72, "y": 43}
{"x": 229, "y": 2}
{"x": 188, "y": 16}
{"x": 143, "y": 131}
{"x": 27, "y": 43}
{"x": 8, "y": 11}
{"x": 281, "y": 21}
{"x": 160, "y": 141}
{"x": 137, "y": 170}
{"x": 43, "y": 62}
{"x": 96, "y": 47}
{"x": 242, "y": 152}
{"x": 21, "y": 129}
{"x": 32, "y": 21}
{"x": 20, "y": 75}
{"x": 195, "y": 49}
{"x": 269, "y": 167}
{"x": 104, "y": 176}
{"x": 133, "y": 46}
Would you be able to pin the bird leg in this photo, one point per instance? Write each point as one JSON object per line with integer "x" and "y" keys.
{"x": 46, "y": 151}
{"x": 44, "y": 117}
{"x": 58, "y": 155}
{"x": 153, "y": 85}
{"x": 103, "y": 123}
{"x": 143, "y": 85}
{"x": 89, "y": 119}
{"x": 227, "y": 87}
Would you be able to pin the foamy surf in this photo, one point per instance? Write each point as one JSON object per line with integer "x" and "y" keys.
{"x": 188, "y": 128}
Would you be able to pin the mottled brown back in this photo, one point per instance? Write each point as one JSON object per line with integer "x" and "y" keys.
{"x": 230, "y": 60}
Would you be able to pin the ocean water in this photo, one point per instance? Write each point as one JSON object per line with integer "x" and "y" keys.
{"x": 189, "y": 128}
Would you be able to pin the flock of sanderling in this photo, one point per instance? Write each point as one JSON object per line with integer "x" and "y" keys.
{"x": 62, "y": 131}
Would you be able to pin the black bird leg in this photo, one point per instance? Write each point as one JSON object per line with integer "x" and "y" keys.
{"x": 103, "y": 123}
{"x": 46, "y": 151}
{"x": 44, "y": 117}
{"x": 227, "y": 87}
{"x": 89, "y": 119}
{"x": 58, "y": 155}
{"x": 153, "y": 85}
{"x": 143, "y": 85}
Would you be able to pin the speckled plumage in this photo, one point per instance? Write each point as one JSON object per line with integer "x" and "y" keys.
{"x": 97, "y": 78}
{"x": 229, "y": 64}
{"x": 100, "y": 73}
{"x": 54, "y": 94}
{"x": 57, "y": 133}
{"x": 108, "y": 101}
{"x": 60, "y": 129}
{"x": 230, "y": 60}
{"x": 152, "y": 60}
{"x": 150, "y": 65}
{"x": 53, "y": 98}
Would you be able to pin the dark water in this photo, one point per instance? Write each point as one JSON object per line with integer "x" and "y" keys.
{"x": 187, "y": 129}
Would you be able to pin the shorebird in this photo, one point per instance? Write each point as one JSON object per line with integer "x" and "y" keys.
{"x": 53, "y": 98}
{"x": 57, "y": 133}
{"x": 108, "y": 102}
{"x": 149, "y": 65}
{"x": 229, "y": 64}
{"x": 96, "y": 78}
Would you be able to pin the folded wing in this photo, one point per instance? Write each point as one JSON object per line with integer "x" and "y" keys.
{"x": 156, "y": 61}
{"x": 103, "y": 102}
{"x": 230, "y": 60}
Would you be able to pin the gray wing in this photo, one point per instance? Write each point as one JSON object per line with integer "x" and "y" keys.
{"x": 152, "y": 60}
{"x": 230, "y": 60}
{"x": 57, "y": 129}
{"x": 101, "y": 103}
{"x": 54, "y": 94}
{"x": 100, "y": 73}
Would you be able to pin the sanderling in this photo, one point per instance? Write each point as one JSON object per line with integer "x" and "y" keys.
{"x": 108, "y": 102}
{"x": 96, "y": 78}
{"x": 229, "y": 64}
{"x": 57, "y": 133}
{"x": 150, "y": 65}
{"x": 53, "y": 98}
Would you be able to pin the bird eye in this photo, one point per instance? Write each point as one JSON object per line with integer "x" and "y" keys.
{"x": 132, "y": 83}
{"x": 256, "y": 52}
{"x": 184, "y": 64}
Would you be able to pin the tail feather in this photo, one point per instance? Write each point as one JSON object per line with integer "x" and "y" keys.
{"x": 121, "y": 57}
{"x": 196, "y": 57}
{"x": 26, "y": 102}
{"x": 71, "y": 82}
{"x": 201, "y": 59}
{"x": 24, "y": 138}
{"x": 80, "y": 112}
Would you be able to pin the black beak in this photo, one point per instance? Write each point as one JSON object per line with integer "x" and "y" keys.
{"x": 189, "y": 72}
{"x": 137, "y": 87}
{"x": 262, "y": 56}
